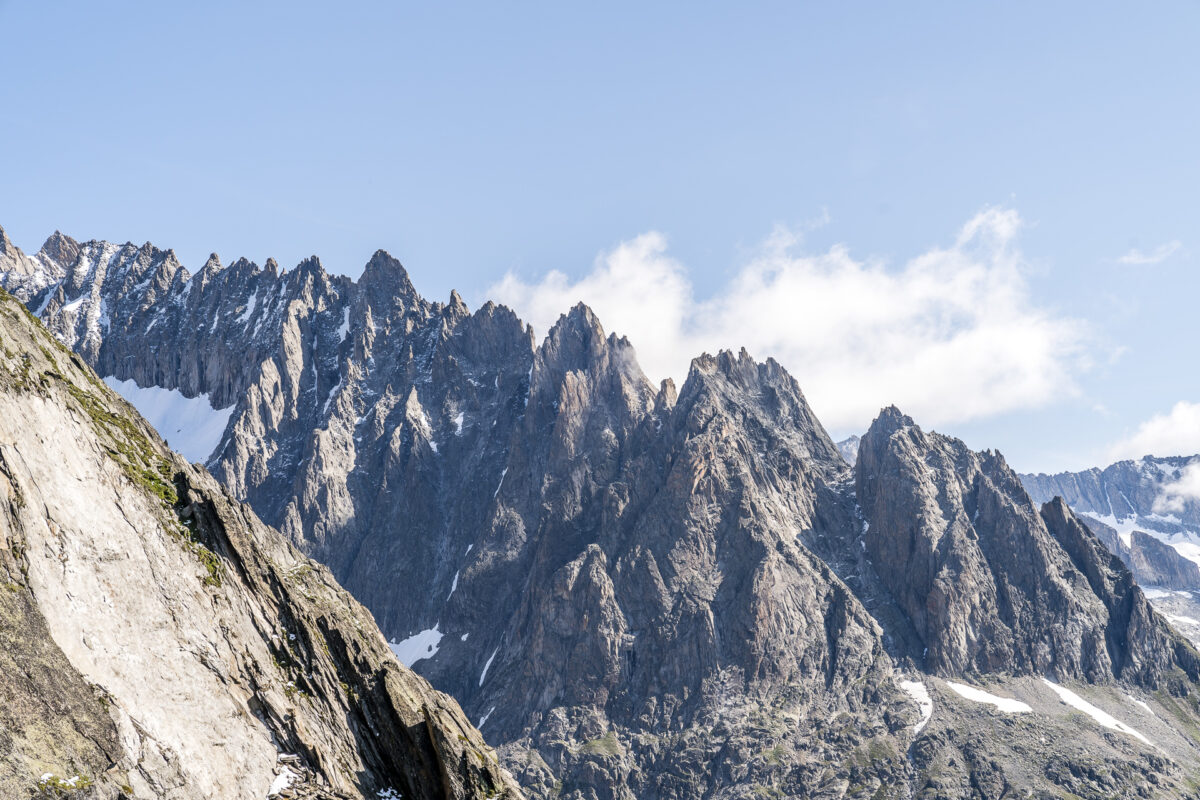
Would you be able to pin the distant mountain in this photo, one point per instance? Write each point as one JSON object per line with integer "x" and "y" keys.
{"x": 848, "y": 447}
{"x": 651, "y": 592}
{"x": 1129, "y": 506}
{"x": 161, "y": 642}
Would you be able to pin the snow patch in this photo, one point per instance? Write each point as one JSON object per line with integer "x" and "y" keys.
{"x": 458, "y": 423}
{"x": 485, "y": 717}
{"x": 344, "y": 330}
{"x": 496, "y": 493}
{"x": 1105, "y": 719}
{"x": 190, "y": 424}
{"x": 418, "y": 646}
{"x": 1124, "y": 526}
{"x": 1135, "y": 701}
{"x": 488, "y": 665}
{"x": 1005, "y": 704}
{"x": 282, "y": 781}
{"x": 244, "y": 317}
{"x": 920, "y": 695}
{"x": 332, "y": 392}
{"x": 453, "y": 586}
{"x": 1185, "y": 544}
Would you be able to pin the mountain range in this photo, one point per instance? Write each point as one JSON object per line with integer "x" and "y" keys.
{"x": 649, "y": 591}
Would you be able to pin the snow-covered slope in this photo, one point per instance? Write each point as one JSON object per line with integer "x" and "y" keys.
{"x": 191, "y": 426}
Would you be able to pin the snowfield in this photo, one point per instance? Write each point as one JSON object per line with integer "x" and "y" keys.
{"x": 190, "y": 425}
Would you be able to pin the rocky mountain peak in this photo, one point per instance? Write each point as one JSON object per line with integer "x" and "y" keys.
{"x": 61, "y": 249}
{"x": 457, "y": 306}
{"x": 385, "y": 273}
{"x": 577, "y": 352}
{"x": 212, "y": 265}
{"x": 889, "y": 420}
{"x": 848, "y": 447}
{"x": 26, "y": 271}
{"x": 667, "y": 395}
{"x": 577, "y": 332}
{"x": 736, "y": 387}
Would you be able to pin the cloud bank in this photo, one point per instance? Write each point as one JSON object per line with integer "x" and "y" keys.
{"x": 949, "y": 336}
{"x": 1175, "y": 495}
{"x": 1176, "y": 433}
{"x": 1156, "y": 256}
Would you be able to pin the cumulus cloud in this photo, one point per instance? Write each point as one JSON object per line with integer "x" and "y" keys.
{"x": 1156, "y": 256}
{"x": 949, "y": 336}
{"x": 1176, "y": 433}
{"x": 1174, "y": 496}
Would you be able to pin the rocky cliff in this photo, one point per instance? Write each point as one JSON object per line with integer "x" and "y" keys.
{"x": 161, "y": 642}
{"x": 654, "y": 592}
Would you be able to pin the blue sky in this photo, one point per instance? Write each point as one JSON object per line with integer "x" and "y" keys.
{"x": 487, "y": 145}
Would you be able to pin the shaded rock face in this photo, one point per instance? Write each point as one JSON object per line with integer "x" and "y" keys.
{"x": 638, "y": 592}
{"x": 987, "y": 585}
{"x": 1138, "y": 649}
{"x": 161, "y": 642}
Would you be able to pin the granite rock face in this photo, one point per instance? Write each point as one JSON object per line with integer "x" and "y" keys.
{"x": 986, "y": 584}
{"x": 161, "y": 642}
{"x": 652, "y": 592}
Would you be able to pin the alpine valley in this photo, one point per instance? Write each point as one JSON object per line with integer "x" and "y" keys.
{"x": 663, "y": 593}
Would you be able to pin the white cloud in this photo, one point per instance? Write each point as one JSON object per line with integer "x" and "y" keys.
{"x": 1156, "y": 256}
{"x": 1176, "y": 494}
{"x": 1176, "y": 433}
{"x": 636, "y": 290}
{"x": 951, "y": 335}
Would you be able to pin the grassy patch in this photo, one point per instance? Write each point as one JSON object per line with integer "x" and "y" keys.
{"x": 128, "y": 446}
{"x": 53, "y": 786}
{"x": 606, "y": 745}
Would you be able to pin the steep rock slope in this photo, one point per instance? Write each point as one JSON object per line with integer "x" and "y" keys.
{"x": 668, "y": 592}
{"x": 161, "y": 642}
{"x": 988, "y": 587}
{"x": 644, "y": 592}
